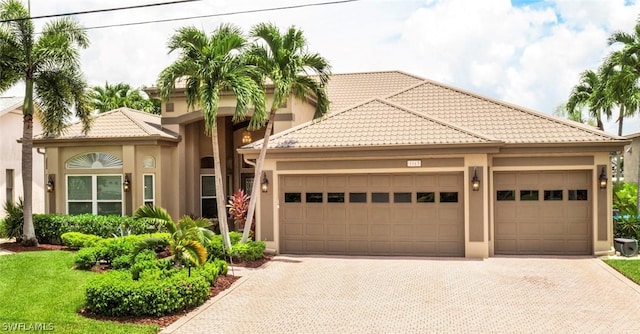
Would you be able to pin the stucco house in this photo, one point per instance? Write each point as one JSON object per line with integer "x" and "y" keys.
{"x": 11, "y": 156}
{"x": 400, "y": 166}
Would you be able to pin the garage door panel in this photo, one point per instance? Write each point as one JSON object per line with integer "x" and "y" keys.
{"x": 336, "y": 246}
{"x": 401, "y": 226}
{"x": 544, "y": 226}
{"x": 336, "y": 230}
{"x": 358, "y": 231}
{"x": 360, "y": 246}
{"x": 291, "y": 230}
{"x": 313, "y": 230}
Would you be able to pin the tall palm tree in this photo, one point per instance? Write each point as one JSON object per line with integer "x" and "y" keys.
{"x": 590, "y": 93}
{"x": 109, "y": 97}
{"x": 283, "y": 59}
{"x": 49, "y": 65}
{"x": 630, "y": 56}
{"x": 209, "y": 65}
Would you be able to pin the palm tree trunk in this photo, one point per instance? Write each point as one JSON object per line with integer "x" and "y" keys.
{"x": 619, "y": 157}
{"x": 28, "y": 232}
{"x": 255, "y": 189}
{"x": 219, "y": 185}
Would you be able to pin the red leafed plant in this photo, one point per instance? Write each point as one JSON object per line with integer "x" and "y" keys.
{"x": 238, "y": 206}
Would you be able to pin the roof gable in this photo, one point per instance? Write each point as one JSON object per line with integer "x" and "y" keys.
{"x": 493, "y": 118}
{"x": 349, "y": 89}
{"x": 8, "y": 104}
{"x": 374, "y": 123}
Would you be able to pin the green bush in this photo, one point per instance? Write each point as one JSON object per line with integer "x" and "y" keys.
{"x": 627, "y": 221}
{"x": 12, "y": 226}
{"x": 87, "y": 257}
{"x": 115, "y": 293}
{"x": 76, "y": 240}
{"x": 215, "y": 249}
{"x": 49, "y": 227}
{"x": 249, "y": 251}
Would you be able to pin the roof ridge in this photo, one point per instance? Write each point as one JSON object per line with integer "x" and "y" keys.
{"x": 512, "y": 106}
{"x": 439, "y": 121}
{"x": 126, "y": 112}
{"x": 379, "y": 72}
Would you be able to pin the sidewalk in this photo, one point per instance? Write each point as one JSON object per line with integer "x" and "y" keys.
{"x": 2, "y": 251}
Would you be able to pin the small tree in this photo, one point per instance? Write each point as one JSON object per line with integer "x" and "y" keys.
{"x": 238, "y": 206}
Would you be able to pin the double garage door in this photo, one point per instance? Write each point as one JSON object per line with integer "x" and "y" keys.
{"x": 543, "y": 212}
{"x": 372, "y": 214}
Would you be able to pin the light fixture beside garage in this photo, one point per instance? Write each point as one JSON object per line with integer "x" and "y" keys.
{"x": 475, "y": 181}
{"x": 603, "y": 179}
{"x": 264, "y": 184}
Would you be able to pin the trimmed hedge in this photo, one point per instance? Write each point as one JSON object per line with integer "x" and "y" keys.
{"x": 77, "y": 240}
{"x": 50, "y": 227}
{"x": 115, "y": 293}
{"x": 157, "y": 290}
{"x": 250, "y": 251}
{"x": 112, "y": 250}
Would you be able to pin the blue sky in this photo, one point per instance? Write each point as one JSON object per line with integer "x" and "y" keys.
{"x": 529, "y": 53}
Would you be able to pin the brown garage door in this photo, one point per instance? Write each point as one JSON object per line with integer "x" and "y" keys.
{"x": 543, "y": 212}
{"x": 370, "y": 214}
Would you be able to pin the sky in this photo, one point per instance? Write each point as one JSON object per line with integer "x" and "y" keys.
{"x": 526, "y": 52}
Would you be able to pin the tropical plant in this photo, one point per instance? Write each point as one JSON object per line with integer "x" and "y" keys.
{"x": 238, "y": 205}
{"x": 209, "y": 65}
{"x": 629, "y": 57}
{"x": 187, "y": 236}
{"x": 589, "y": 93}
{"x": 284, "y": 60}
{"x": 49, "y": 65}
{"x": 14, "y": 219}
{"x": 109, "y": 97}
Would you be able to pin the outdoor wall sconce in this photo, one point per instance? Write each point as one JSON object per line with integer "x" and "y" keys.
{"x": 475, "y": 181}
{"x": 126, "y": 185}
{"x": 51, "y": 184}
{"x": 264, "y": 184}
{"x": 603, "y": 179}
{"x": 246, "y": 137}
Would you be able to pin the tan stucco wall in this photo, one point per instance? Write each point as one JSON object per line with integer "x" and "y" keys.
{"x": 631, "y": 160}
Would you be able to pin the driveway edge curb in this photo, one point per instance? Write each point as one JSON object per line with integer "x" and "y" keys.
{"x": 180, "y": 322}
{"x": 619, "y": 276}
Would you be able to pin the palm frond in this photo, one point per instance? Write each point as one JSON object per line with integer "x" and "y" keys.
{"x": 158, "y": 215}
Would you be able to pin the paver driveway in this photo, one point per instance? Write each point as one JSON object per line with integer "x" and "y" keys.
{"x": 401, "y": 295}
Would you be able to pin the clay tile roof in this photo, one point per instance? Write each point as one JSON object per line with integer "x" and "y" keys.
{"x": 120, "y": 123}
{"x": 509, "y": 123}
{"x": 374, "y": 123}
{"x": 347, "y": 90}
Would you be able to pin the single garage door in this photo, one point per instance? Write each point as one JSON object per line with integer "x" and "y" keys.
{"x": 372, "y": 214}
{"x": 543, "y": 212}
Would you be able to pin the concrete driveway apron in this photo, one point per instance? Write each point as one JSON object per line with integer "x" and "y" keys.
{"x": 422, "y": 295}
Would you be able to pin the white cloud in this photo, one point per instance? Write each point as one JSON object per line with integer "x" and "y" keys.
{"x": 531, "y": 56}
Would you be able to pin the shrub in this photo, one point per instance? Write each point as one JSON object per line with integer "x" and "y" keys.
{"x": 115, "y": 293}
{"x": 12, "y": 226}
{"x": 215, "y": 248}
{"x": 49, "y": 227}
{"x": 76, "y": 240}
{"x": 249, "y": 251}
{"x": 87, "y": 257}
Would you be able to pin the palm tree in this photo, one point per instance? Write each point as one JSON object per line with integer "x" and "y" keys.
{"x": 49, "y": 65}
{"x": 209, "y": 65}
{"x": 589, "y": 92}
{"x": 187, "y": 236}
{"x": 109, "y": 97}
{"x": 283, "y": 59}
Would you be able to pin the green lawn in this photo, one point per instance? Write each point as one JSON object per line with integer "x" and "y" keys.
{"x": 41, "y": 288}
{"x": 629, "y": 268}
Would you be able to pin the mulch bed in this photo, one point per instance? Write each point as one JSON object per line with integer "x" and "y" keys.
{"x": 222, "y": 283}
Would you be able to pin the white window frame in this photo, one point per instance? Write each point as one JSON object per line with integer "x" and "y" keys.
{"x": 94, "y": 193}
{"x": 10, "y": 185}
{"x": 202, "y": 176}
{"x": 153, "y": 193}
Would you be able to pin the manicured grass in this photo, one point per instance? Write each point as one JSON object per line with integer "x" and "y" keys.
{"x": 628, "y": 268}
{"x": 41, "y": 288}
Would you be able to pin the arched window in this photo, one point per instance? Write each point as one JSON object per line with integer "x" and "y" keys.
{"x": 149, "y": 162}
{"x": 94, "y": 160}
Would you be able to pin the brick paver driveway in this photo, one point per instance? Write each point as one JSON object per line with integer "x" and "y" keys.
{"x": 402, "y": 295}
